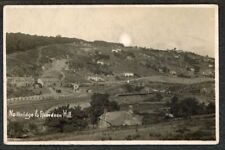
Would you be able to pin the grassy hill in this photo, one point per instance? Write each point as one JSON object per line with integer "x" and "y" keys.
{"x": 16, "y": 42}
{"x": 84, "y": 58}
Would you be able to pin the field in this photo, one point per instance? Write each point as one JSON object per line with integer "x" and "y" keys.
{"x": 195, "y": 128}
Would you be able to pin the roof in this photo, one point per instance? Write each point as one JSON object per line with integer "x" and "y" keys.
{"x": 118, "y": 118}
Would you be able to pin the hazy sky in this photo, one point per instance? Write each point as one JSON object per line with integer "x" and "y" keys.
{"x": 187, "y": 28}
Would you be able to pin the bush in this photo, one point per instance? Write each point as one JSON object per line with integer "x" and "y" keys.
{"x": 21, "y": 129}
{"x": 186, "y": 107}
{"x": 15, "y": 129}
{"x": 132, "y": 88}
{"x": 210, "y": 109}
{"x": 77, "y": 121}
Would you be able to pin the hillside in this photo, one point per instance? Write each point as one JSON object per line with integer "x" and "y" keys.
{"x": 16, "y": 42}
{"x": 163, "y": 87}
{"x": 77, "y": 59}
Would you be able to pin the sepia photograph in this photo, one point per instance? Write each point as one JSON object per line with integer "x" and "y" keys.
{"x": 110, "y": 74}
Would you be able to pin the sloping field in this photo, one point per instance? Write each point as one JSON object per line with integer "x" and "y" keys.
{"x": 196, "y": 128}
{"x": 168, "y": 79}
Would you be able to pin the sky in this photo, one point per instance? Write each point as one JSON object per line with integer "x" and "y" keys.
{"x": 188, "y": 28}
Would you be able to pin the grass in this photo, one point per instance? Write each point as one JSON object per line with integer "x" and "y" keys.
{"x": 197, "y": 128}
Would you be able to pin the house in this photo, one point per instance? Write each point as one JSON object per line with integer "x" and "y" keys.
{"x": 192, "y": 69}
{"x": 169, "y": 115}
{"x": 100, "y": 62}
{"x": 174, "y": 73}
{"x": 43, "y": 67}
{"x": 210, "y": 66}
{"x": 119, "y": 118}
{"x": 155, "y": 90}
{"x": 89, "y": 91}
{"x": 161, "y": 70}
{"x": 52, "y": 59}
{"x": 96, "y": 79}
{"x": 128, "y": 74}
{"x": 176, "y": 56}
{"x": 116, "y": 50}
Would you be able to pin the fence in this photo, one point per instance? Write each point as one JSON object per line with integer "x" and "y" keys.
{"x": 39, "y": 97}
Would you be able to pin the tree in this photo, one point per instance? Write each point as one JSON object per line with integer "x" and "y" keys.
{"x": 77, "y": 121}
{"x": 165, "y": 69}
{"x": 58, "y": 36}
{"x": 158, "y": 96}
{"x": 210, "y": 108}
{"x": 21, "y": 42}
{"x": 100, "y": 102}
{"x": 187, "y": 107}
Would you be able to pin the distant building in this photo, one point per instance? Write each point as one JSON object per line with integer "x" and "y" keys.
{"x": 91, "y": 78}
{"x": 116, "y": 50}
{"x": 40, "y": 82}
{"x": 52, "y": 59}
{"x": 174, "y": 73}
{"x": 128, "y": 74}
{"x": 43, "y": 67}
{"x": 169, "y": 115}
{"x": 161, "y": 70}
{"x": 100, "y": 62}
{"x": 119, "y": 118}
{"x": 176, "y": 56}
{"x": 89, "y": 91}
{"x": 155, "y": 90}
{"x": 210, "y": 66}
{"x": 192, "y": 69}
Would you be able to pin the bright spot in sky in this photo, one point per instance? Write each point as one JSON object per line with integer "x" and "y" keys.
{"x": 125, "y": 39}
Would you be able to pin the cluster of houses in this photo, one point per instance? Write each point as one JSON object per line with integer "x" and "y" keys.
{"x": 100, "y": 79}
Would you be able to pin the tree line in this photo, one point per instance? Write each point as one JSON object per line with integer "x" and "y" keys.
{"x": 21, "y": 42}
